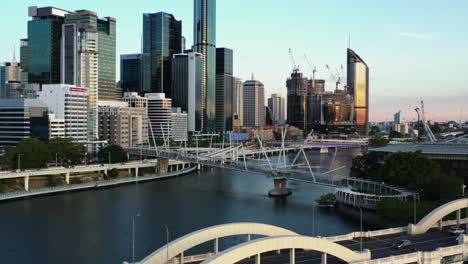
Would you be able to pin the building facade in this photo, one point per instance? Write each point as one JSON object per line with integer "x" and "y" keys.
{"x": 24, "y": 53}
{"x": 44, "y": 33}
{"x": 358, "y": 88}
{"x": 187, "y": 87}
{"x": 135, "y": 100}
{"x": 159, "y": 115}
{"x": 56, "y": 127}
{"x": 10, "y": 79}
{"x": 224, "y": 89}
{"x": 120, "y": 124}
{"x": 131, "y": 75}
{"x": 69, "y": 103}
{"x": 204, "y": 42}
{"x": 162, "y": 38}
{"x": 254, "y": 104}
{"x": 22, "y": 118}
{"x": 179, "y": 125}
{"x": 237, "y": 101}
{"x": 276, "y": 105}
{"x": 297, "y": 91}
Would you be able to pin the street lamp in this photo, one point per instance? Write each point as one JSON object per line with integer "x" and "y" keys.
{"x": 109, "y": 154}
{"x": 19, "y": 161}
{"x": 133, "y": 238}
{"x": 360, "y": 211}
{"x": 56, "y": 159}
{"x": 167, "y": 243}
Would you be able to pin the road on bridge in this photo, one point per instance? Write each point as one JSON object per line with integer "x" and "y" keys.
{"x": 380, "y": 247}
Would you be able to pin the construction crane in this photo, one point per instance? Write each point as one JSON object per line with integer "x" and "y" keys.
{"x": 293, "y": 61}
{"x": 426, "y": 127}
{"x": 336, "y": 78}
{"x": 312, "y": 68}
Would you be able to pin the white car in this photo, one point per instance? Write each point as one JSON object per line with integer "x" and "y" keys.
{"x": 456, "y": 230}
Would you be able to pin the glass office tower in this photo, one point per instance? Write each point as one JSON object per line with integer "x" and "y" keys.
{"x": 224, "y": 89}
{"x": 205, "y": 43}
{"x": 131, "y": 74}
{"x": 358, "y": 88}
{"x": 162, "y": 38}
{"x": 44, "y": 33}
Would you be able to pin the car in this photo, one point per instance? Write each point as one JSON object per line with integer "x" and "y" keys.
{"x": 402, "y": 244}
{"x": 456, "y": 230}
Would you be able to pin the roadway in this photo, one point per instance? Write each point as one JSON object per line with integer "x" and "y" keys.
{"x": 380, "y": 247}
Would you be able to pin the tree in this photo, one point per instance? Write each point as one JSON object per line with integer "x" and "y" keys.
{"x": 29, "y": 153}
{"x": 113, "y": 173}
{"x": 395, "y": 134}
{"x": 66, "y": 150}
{"x": 378, "y": 141}
{"x": 375, "y": 130}
{"x": 368, "y": 166}
{"x": 114, "y": 153}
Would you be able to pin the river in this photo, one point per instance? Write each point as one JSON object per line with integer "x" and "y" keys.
{"x": 95, "y": 226}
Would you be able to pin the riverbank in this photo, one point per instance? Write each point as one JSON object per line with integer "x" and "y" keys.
{"x": 91, "y": 185}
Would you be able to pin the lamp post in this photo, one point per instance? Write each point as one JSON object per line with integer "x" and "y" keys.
{"x": 360, "y": 211}
{"x": 19, "y": 161}
{"x": 167, "y": 244}
{"x": 109, "y": 157}
{"x": 56, "y": 159}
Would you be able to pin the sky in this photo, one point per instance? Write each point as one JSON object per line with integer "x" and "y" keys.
{"x": 415, "y": 49}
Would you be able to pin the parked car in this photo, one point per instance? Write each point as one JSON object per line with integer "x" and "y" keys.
{"x": 402, "y": 244}
{"x": 456, "y": 230}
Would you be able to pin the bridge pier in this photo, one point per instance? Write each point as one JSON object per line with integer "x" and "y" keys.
{"x": 26, "y": 183}
{"x": 257, "y": 259}
{"x": 163, "y": 165}
{"x": 323, "y": 150}
{"x": 181, "y": 259}
{"x": 216, "y": 246}
{"x": 67, "y": 177}
{"x": 458, "y": 217}
{"x": 136, "y": 172}
{"x": 292, "y": 256}
{"x": 324, "y": 258}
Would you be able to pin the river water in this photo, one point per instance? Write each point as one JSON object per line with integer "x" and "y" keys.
{"x": 95, "y": 226}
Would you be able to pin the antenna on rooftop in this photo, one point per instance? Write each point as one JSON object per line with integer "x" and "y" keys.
{"x": 349, "y": 40}
{"x": 14, "y": 53}
{"x": 253, "y": 77}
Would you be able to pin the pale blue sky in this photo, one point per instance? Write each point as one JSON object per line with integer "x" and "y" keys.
{"x": 414, "y": 48}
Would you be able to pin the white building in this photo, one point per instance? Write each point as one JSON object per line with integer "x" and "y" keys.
{"x": 276, "y": 104}
{"x": 179, "y": 130}
{"x": 159, "y": 115}
{"x": 69, "y": 103}
{"x": 134, "y": 100}
{"x": 56, "y": 127}
{"x": 238, "y": 99}
{"x": 253, "y": 104}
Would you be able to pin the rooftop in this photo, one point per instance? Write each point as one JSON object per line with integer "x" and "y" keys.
{"x": 433, "y": 149}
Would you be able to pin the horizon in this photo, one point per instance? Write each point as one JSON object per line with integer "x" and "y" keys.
{"x": 429, "y": 53}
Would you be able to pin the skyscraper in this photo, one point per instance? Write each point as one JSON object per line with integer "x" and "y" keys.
{"x": 187, "y": 87}
{"x": 159, "y": 115}
{"x": 297, "y": 87}
{"x": 162, "y": 38}
{"x": 131, "y": 73}
{"x": 24, "y": 60}
{"x": 44, "y": 33}
{"x": 224, "y": 88}
{"x": 238, "y": 99}
{"x": 254, "y": 104}
{"x": 9, "y": 79}
{"x": 358, "y": 88}
{"x": 204, "y": 42}
{"x": 276, "y": 104}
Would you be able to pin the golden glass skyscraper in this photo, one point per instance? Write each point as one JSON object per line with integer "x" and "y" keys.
{"x": 358, "y": 88}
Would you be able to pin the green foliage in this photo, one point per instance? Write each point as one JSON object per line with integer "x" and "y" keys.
{"x": 378, "y": 141}
{"x": 402, "y": 212}
{"x": 30, "y": 153}
{"x": 113, "y": 173}
{"x": 66, "y": 150}
{"x": 395, "y": 134}
{"x": 117, "y": 154}
{"x": 413, "y": 171}
{"x": 375, "y": 130}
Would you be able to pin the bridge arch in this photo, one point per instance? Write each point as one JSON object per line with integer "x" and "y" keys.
{"x": 178, "y": 246}
{"x": 258, "y": 246}
{"x": 437, "y": 215}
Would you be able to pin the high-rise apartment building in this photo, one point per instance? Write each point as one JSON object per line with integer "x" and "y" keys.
{"x": 254, "y": 104}
{"x": 237, "y": 100}
{"x": 224, "y": 89}
{"x": 22, "y": 118}
{"x": 276, "y": 105}
{"x": 162, "y": 38}
{"x": 135, "y": 100}
{"x": 358, "y": 89}
{"x": 205, "y": 43}
{"x": 179, "y": 125}
{"x": 10, "y": 75}
{"x": 44, "y": 33}
{"x": 297, "y": 86}
{"x": 69, "y": 103}
{"x": 187, "y": 87}
{"x": 131, "y": 75}
{"x": 24, "y": 53}
{"x": 159, "y": 115}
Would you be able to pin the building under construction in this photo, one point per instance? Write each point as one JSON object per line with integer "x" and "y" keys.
{"x": 343, "y": 110}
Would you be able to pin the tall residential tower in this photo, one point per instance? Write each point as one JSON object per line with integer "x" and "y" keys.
{"x": 204, "y": 42}
{"x": 358, "y": 88}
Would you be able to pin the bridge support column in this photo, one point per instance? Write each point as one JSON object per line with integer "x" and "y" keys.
{"x": 440, "y": 224}
{"x": 292, "y": 256}
{"x": 248, "y": 237}
{"x": 163, "y": 165}
{"x": 324, "y": 258}
{"x": 26, "y": 183}
{"x": 458, "y": 217}
{"x": 181, "y": 261}
{"x": 216, "y": 246}
{"x": 67, "y": 177}
{"x": 136, "y": 172}
{"x": 257, "y": 259}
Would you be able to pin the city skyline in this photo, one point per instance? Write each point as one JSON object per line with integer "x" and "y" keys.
{"x": 400, "y": 47}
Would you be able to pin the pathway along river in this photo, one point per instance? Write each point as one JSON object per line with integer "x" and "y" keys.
{"x": 95, "y": 226}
